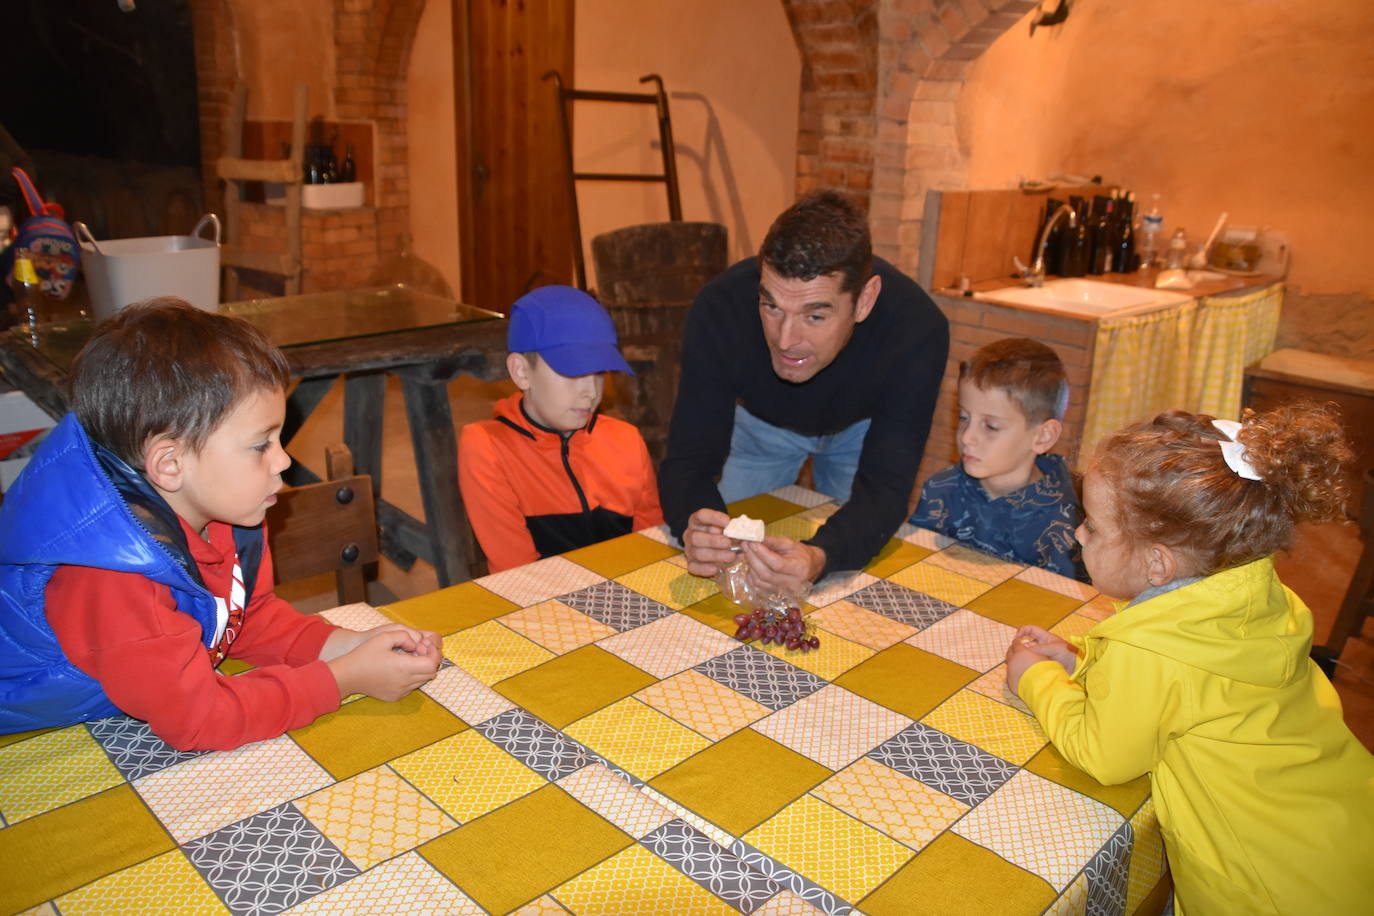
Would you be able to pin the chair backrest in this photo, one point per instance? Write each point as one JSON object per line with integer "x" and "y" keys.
{"x": 323, "y": 527}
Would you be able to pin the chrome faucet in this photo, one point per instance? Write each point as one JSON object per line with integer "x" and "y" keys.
{"x": 1035, "y": 274}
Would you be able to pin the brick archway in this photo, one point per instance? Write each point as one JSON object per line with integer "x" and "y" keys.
{"x": 880, "y": 89}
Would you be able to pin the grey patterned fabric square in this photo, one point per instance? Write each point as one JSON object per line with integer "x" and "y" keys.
{"x": 761, "y": 677}
{"x": 1108, "y": 874}
{"x": 269, "y": 862}
{"x": 824, "y": 900}
{"x": 961, "y": 771}
{"x": 713, "y": 867}
{"x": 910, "y": 607}
{"x": 535, "y": 743}
{"x": 133, "y": 748}
{"x": 616, "y": 606}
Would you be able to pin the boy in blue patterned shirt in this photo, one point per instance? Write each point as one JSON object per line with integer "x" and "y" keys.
{"x": 1009, "y": 496}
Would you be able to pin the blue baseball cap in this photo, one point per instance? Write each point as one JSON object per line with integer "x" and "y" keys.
{"x": 568, "y": 329}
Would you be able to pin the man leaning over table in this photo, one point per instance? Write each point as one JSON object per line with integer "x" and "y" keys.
{"x": 814, "y": 348}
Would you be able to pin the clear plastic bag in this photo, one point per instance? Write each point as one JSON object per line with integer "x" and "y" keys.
{"x": 770, "y": 617}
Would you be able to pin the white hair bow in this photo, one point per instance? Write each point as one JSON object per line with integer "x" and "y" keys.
{"x": 1234, "y": 452}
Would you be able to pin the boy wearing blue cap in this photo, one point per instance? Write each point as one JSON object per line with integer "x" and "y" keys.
{"x": 549, "y": 474}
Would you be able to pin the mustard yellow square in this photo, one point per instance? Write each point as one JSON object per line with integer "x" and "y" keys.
{"x": 765, "y": 506}
{"x": 450, "y": 609}
{"x": 467, "y": 775}
{"x": 670, "y": 584}
{"x": 717, "y": 612}
{"x": 374, "y": 816}
{"x": 796, "y": 527}
{"x": 573, "y": 685}
{"x": 1125, "y": 798}
{"x": 956, "y": 877}
{"x": 491, "y": 652}
{"x": 829, "y": 846}
{"x": 635, "y": 882}
{"x": 620, "y": 555}
{"x": 700, "y": 782}
{"x": 166, "y": 884}
{"x": 986, "y": 723}
{"x": 16, "y": 737}
{"x": 524, "y": 849}
{"x": 1016, "y": 603}
{"x": 637, "y": 737}
{"x": 939, "y": 582}
{"x": 46, "y": 856}
{"x": 368, "y": 732}
{"x": 50, "y": 770}
{"x": 895, "y": 556}
{"x": 909, "y": 680}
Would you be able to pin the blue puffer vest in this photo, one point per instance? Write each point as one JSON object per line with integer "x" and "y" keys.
{"x": 78, "y": 504}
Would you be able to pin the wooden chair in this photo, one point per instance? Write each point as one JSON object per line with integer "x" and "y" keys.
{"x": 1359, "y": 595}
{"x": 323, "y": 527}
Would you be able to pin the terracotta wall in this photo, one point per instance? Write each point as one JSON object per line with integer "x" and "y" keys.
{"x": 1262, "y": 110}
{"x": 733, "y": 77}
{"x": 272, "y": 57}
{"x": 433, "y": 176}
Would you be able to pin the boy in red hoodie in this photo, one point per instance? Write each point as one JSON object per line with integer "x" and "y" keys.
{"x": 550, "y": 474}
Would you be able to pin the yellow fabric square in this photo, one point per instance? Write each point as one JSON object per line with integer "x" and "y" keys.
{"x": 861, "y": 625}
{"x": 450, "y": 609}
{"x": 895, "y": 556}
{"x": 1125, "y": 798}
{"x": 369, "y": 732}
{"x": 573, "y": 685}
{"x": 717, "y": 612}
{"x": 835, "y": 656}
{"x": 740, "y": 761}
{"x": 938, "y": 582}
{"x": 467, "y": 775}
{"x": 50, "y": 770}
{"x": 1148, "y": 864}
{"x": 620, "y": 555}
{"x": 1073, "y": 625}
{"x": 635, "y": 882}
{"x": 557, "y": 627}
{"x": 44, "y": 857}
{"x": 797, "y": 527}
{"x": 491, "y": 652}
{"x": 1016, "y": 603}
{"x": 903, "y": 808}
{"x": 975, "y": 564}
{"x": 637, "y": 737}
{"x": 164, "y": 884}
{"x": 765, "y": 506}
{"x": 374, "y": 816}
{"x": 978, "y": 720}
{"x": 829, "y": 847}
{"x": 670, "y": 584}
{"x": 954, "y": 877}
{"x": 524, "y": 849}
{"x": 906, "y": 679}
{"x": 702, "y": 704}
{"x": 16, "y": 737}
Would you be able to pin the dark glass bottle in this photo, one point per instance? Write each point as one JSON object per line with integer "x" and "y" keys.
{"x": 1123, "y": 237}
{"x": 312, "y": 164}
{"x": 1077, "y": 245}
{"x": 1100, "y": 261}
{"x": 349, "y": 170}
{"x": 1053, "y": 244}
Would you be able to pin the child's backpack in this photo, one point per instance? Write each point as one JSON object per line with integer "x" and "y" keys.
{"x": 51, "y": 243}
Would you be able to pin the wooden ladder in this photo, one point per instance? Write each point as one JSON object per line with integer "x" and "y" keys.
{"x": 234, "y": 170}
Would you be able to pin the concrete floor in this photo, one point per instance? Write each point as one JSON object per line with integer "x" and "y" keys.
{"x": 1318, "y": 568}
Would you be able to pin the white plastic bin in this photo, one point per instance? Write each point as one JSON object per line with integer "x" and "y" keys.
{"x": 120, "y": 272}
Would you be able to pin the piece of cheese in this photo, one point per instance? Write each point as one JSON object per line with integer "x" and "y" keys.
{"x": 745, "y": 528}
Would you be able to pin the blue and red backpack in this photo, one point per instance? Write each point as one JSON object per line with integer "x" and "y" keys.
{"x": 51, "y": 243}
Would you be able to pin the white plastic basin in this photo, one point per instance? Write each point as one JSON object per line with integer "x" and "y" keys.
{"x": 1087, "y": 298}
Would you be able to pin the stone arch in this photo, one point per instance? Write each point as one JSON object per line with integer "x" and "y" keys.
{"x": 881, "y": 83}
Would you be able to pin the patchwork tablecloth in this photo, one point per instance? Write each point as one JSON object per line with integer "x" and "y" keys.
{"x": 597, "y": 742}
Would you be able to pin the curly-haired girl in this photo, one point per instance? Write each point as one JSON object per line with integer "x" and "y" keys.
{"x": 1202, "y": 680}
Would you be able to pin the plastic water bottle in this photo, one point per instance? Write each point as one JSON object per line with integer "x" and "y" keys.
{"x": 1151, "y": 225}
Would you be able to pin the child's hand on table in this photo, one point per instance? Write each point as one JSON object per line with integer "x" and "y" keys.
{"x": 386, "y": 662}
{"x": 1034, "y": 644}
{"x": 344, "y": 640}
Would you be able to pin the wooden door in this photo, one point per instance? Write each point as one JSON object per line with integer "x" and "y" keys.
{"x": 515, "y": 216}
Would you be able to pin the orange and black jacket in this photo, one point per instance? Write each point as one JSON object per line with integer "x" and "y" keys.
{"x": 533, "y": 492}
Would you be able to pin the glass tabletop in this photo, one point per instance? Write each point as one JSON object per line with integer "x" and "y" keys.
{"x": 295, "y": 321}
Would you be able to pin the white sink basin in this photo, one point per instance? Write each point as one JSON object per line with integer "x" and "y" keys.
{"x": 1086, "y": 298}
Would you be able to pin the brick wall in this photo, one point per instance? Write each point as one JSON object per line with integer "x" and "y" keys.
{"x": 339, "y": 247}
{"x": 973, "y": 325}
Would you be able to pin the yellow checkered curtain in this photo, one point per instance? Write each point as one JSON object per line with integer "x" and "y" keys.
{"x": 1140, "y": 367}
{"x": 1230, "y": 333}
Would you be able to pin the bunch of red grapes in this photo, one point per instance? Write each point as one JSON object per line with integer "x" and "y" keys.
{"x": 785, "y": 627}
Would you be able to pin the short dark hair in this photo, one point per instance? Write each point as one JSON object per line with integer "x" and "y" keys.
{"x": 822, "y": 233}
{"x": 165, "y": 367}
{"x": 1028, "y": 371}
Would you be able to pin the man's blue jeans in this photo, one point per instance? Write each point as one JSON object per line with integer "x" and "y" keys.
{"x": 764, "y": 457}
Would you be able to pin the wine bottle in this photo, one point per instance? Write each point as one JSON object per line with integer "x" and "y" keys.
{"x": 1123, "y": 237}
{"x": 349, "y": 170}
{"x": 1101, "y": 258}
{"x": 1077, "y": 245}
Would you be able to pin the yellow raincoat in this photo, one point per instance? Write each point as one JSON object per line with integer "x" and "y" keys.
{"x": 1265, "y": 798}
